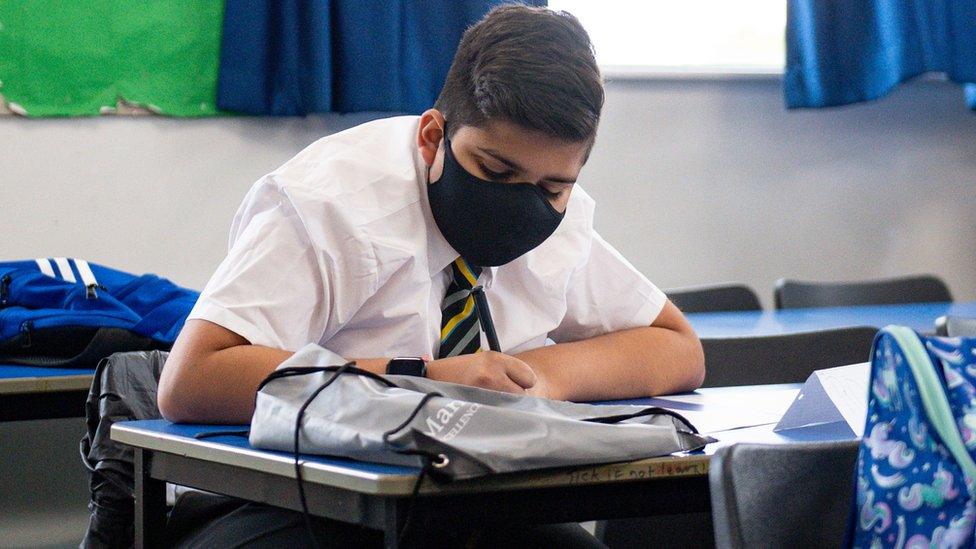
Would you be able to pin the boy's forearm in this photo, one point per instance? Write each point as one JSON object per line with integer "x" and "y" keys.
{"x": 223, "y": 386}
{"x": 216, "y": 387}
{"x": 629, "y": 363}
{"x": 212, "y": 374}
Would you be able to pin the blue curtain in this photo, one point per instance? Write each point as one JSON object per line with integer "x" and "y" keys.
{"x": 845, "y": 51}
{"x": 294, "y": 57}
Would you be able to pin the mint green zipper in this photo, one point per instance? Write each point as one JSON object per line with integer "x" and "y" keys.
{"x": 933, "y": 395}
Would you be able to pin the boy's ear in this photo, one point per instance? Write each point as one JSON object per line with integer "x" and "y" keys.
{"x": 430, "y": 134}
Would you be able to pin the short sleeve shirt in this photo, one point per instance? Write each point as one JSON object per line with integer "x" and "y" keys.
{"x": 338, "y": 247}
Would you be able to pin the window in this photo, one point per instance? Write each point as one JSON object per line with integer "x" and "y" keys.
{"x": 691, "y": 36}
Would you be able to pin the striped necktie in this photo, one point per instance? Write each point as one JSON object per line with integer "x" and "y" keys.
{"x": 460, "y": 330}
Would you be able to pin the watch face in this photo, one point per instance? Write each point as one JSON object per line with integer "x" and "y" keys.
{"x": 408, "y": 366}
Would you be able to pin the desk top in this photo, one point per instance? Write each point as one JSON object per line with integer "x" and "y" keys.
{"x": 27, "y": 379}
{"x": 920, "y": 316}
{"x": 371, "y": 478}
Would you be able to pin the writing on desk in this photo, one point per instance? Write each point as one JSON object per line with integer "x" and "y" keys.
{"x": 636, "y": 471}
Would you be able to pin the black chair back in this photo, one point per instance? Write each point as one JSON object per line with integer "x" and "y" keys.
{"x": 782, "y": 495}
{"x": 714, "y": 298}
{"x": 794, "y": 294}
{"x": 786, "y": 358}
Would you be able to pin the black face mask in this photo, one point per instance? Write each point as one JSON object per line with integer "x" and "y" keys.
{"x": 489, "y": 223}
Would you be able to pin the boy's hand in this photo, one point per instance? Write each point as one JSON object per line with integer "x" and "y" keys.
{"x": 487, "y": 369}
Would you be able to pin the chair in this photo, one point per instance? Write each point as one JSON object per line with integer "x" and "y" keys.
{"x": 955, "y": 326}
{"x": 782, "y": 495}
{"x": 688, "y": 529}
{"x": 789, "y": 358}
{"x": 714, "y": 298}
{"x": 793, "y": 294}
{"x": 785, "y": 358}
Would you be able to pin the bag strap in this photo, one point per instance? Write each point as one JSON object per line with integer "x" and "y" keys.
{"x": 430, "y": 459}
{"x": 349, "y": 368}
{"x": 652, "y": 411}
{"x": 934, "y": 399}
{"x": 103, "y": 343}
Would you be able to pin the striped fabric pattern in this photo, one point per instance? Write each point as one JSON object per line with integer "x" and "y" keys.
{"x": 460, "y": 330}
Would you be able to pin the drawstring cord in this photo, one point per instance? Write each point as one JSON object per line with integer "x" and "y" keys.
{"x": 430, "y": 459}
{"x": 298, "y": 466}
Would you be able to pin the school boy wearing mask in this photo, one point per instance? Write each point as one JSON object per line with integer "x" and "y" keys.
{"x": 369, "y": 241}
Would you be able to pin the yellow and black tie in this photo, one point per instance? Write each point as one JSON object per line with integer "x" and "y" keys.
{"x": 460, "y": 330}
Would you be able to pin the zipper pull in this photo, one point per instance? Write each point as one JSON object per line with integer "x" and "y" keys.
{"x": 4, "y": 290}
{"x": 90, "y": 292}
{"x": 25, "y": 333}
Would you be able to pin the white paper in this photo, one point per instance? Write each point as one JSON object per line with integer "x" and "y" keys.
{"x": 767, "y": 400}
{"x": 847, "y": 387}
{"x": 831, "y": 395}
{"x": 726, "y": 410}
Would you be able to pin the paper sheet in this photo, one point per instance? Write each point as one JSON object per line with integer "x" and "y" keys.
{"x": 720, "y": 411}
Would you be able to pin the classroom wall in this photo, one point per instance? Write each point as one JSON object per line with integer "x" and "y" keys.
{"x": 706, "y": 181}
{"x": 695, "y": 181}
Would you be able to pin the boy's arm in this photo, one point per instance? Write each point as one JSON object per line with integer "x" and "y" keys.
{"x": 665, "y": 357}
{"x": 212, "y": 374}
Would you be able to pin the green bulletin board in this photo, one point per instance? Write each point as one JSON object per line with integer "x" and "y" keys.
{"x": 71, "y": 58}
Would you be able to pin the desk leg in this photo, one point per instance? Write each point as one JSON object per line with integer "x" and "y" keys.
{"x": 150, "y": 504}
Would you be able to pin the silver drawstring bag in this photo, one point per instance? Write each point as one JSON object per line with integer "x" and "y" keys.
{"x": 452, "y": 431}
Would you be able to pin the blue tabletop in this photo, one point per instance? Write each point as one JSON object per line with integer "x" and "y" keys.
{"x": 8, "y": 371}
{"x": 920, "y": 316}
{"x": 163, "y": 426}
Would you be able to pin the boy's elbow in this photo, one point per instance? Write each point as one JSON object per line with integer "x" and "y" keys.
{"x": 696, "y": 369}
{"x": 175, "y": 398}
{"x": 170, "y": 406}
{"x": 692, "y": 370}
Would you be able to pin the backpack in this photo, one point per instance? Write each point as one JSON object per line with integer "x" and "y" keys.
{"x": 69, "y": 313}
{"x": 915, "y": 468}
{"x": 124, "y": 388}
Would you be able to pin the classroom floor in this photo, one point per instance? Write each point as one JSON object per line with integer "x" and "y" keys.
{"x": 43, "y": 485}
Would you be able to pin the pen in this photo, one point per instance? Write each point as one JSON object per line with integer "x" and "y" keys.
{"x": 484, "y": 315}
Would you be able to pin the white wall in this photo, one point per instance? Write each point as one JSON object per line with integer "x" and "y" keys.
{"x": 695, "y": 181}
{"x": 700, "y": 182}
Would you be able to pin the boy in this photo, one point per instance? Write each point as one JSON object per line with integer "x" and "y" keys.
{"x": 369, "y": 241}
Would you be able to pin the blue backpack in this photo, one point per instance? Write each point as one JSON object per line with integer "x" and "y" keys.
{"x": 69, "y": 313}
{"x": 915, "y": 470}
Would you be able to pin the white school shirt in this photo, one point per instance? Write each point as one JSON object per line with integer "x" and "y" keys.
{"x": 338, "y": 247}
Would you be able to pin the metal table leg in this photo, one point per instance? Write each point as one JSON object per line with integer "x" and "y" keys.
{"x": 150, "y": 503}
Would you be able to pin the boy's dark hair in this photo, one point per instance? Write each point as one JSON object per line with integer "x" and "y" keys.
{"x": 533, "y": 67}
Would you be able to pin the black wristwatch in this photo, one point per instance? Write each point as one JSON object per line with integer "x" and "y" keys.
{"x": 407, "y": 366}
